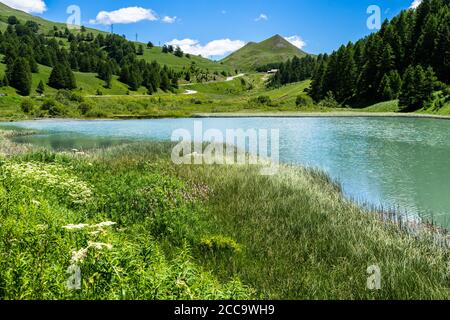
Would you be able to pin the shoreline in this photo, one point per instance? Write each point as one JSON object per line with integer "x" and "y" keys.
{"x": 287, "y": 114}
{"x": 343, "y": 114}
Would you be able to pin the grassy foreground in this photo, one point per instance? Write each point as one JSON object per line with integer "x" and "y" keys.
{"x": 141, "y": 228}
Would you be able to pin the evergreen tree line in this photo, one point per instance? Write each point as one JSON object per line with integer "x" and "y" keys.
{"x": 24, "y": 47}
{"x": 407, "y": 59}
{"x": 294, "y": 70}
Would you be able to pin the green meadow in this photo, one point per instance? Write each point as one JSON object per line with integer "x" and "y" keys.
{"x": 136, "y": 226}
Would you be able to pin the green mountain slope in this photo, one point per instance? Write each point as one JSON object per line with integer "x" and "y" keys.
{"x": 44, "y": 25}
{"x": 273, "y": 50}
{"x": 88, "y": 83}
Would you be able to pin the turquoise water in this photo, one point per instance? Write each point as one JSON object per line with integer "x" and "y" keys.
{"x": 391, "y": 162}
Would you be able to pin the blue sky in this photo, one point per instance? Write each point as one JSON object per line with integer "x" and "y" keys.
{"x": 216, "y": 27}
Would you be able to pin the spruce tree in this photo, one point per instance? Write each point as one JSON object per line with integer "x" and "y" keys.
{"x": 165, "y": 81}
{"x": 40, "y": 88}
{"x": 178, "y": 52}
{"x": 395, "y": 83}
{"x": 385, "y": 91}
{"x": 140, "y": 50}
{"x": 20, "y": 76}
{"x": 62, "y": 77}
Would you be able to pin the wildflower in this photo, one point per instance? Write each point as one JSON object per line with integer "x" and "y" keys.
{"x": 105, "y": 224}
{"x": 80, "y": 255}
{"x": 99, "y": 245}
{"x": 76, "y": 226}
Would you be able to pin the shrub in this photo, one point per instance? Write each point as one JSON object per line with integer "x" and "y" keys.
{"x": 48, "y": 103}
{"x": 84, "y": 107}
{"x": 220, "y": 244}
{"x": 261, "y": 100}
{"x": 27, "y": 105}
{"x": 446, "y": 93}
{"x": 96, "y": 113}
{"x": 329, "y": 101}
{"x": 66, "y": 95}
{"x": 303, "y": 101}
{"x": 53, "y": 108}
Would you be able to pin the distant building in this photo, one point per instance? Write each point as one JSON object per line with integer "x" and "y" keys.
{"x": 273, "y": 71}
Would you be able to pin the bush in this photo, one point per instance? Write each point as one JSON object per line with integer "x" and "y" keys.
{"x": 220, "y": 244}
{"x": 446, "y": 93}
{"x": 66, "y": 95}
{"x": 329, "y": 101}
{"x": 27, "y": 105}
{"x": 53, "y": 108}
{"x": 261, "y": 100}
{"x": 84, "y": 107}
{"x": 48, "y": 103}
{"x": 96, "y": 113}
{"x": 303, "y": 101}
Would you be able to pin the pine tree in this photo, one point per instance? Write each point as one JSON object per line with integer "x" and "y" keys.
{"x": 62, "y": 77}
{"x": 140, "y": 50}
{"x": 5, "y": 81}
{"x": 395, "y": 83}
{"x": 165, "y": 81}
{"x": 417, "y": 89}
{"x": 57, "y": 78}
{"x": 179, "y": 52}
{"x": 20, "y": 76}
{"x": 385, "y": 91}
{"x": 408, "y": 92}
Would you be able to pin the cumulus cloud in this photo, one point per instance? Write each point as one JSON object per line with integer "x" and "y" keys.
{"x": 262, "y": 17}
{"x": 415, "y": 4}
{"x": 124, "y": 16}
{"x": 296, "y": 41}
{"x": 29, "y": 6}
{"x": 168, "y": 19}
{"x": 211, "y": 49}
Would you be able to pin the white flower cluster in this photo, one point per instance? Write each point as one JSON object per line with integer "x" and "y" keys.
{"x": 48, "y": 176}
{"x": 82, "y": 226}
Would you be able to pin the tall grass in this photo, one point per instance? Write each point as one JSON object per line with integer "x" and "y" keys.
{"x": 126, "y": 224}
{"x": 303, "y": 240}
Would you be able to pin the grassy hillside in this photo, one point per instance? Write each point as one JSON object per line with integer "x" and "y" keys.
{"x": 275, "y": 49}
{"x": 87, "y": 82}
{"x": 178, "y": 63}
{"x": 44, "y": 25}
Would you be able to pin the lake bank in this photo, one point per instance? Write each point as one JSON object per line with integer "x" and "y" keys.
{"x": 378, "y": 160}
{"x": 262, "y": 114}
{"x": 324, "y": 114}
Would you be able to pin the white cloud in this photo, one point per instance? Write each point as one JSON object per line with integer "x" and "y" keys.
{"x": 262, "y": 17}
{"x": 124, "y": 16}
{"x": 214, "y": 48}
{"x": 29, "y": 6}
{"x": 415, "y": 4}
{"x": 296, "y": 41}
{"x": 168, "y": 19}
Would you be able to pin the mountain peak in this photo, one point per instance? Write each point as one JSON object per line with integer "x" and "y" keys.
{"x": 273, "y": 50}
